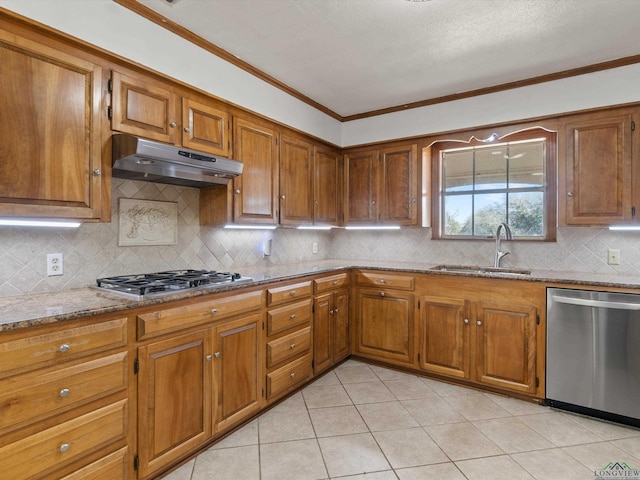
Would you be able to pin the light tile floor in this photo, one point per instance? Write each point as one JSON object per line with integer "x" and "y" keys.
{"x": 364, "y": 422}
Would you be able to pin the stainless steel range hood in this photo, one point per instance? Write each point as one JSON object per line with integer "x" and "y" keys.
{"x": 139, "y": 159}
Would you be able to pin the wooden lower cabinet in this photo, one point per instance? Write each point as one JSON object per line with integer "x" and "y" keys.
{"x": 330, "y": 329}
{"x": 493, "y": 342}
{"x": 237, "y": 370}
{"x": 174, "y": 399}
{"x": 384, "y": 325}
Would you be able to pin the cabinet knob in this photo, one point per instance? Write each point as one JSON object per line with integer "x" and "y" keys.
{"x": 335, "y": 282}
{"x": 64, "y": 347}
{"x": 373, "y": 202}
{"x": 466, "y": 321}
{"x": 214, "y": 311}
{"x": 217, "y": 354}
{"x": 208, "y": 357}
{"x": 293, "y": 316}
{"x": 237, "y": 191}
{"x": 187, "y": 129}
{"x": 292, "y": 346}
{"x": 64, "y": 447}
{"x": 293, "y": 374}
{"x": 382, "y": 281}
{"x": 64, "y": 392}
{"x": 282, "y": 197}
{"x": 331, "y": 312}
{"x": 335, "y": 311}
{"x": 569, "y": 194}
{"x": 173, "y": 124}
{"x": 293, "y": 292}
{"x": 97, "y": 171}
{"x": 479, "y": 323}
{"x": 382, "y": 294}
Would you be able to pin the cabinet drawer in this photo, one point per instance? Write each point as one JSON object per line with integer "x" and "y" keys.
{"x": 64, "y": 443}
{"x": 402, "y": 282}
{"x": 283, "y": 318}
{"x": 35, "y": 395}
{"x": 329, "y": 283}
{"x": 289, "y": 375}
{"x": 171, "y": 319}
{"x": 36, "y": 350}
{"x": 287, "y": 293}
{"x": 109, "y": 467}
{"x": 288, "y": 346}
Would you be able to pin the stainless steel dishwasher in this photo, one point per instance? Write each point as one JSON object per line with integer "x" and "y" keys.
{"x": 593, "y": 353}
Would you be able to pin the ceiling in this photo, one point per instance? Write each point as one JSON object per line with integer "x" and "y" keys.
{"x": 364, "y": 56}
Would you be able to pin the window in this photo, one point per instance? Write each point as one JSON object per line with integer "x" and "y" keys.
{"x": 481, "y": 185}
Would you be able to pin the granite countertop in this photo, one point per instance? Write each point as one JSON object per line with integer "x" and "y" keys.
{"x": 28, "y": 310}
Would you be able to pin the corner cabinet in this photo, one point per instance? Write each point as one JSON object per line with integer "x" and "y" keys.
{"x": 51, "y": 151}
{"x": 381, "y": 186}
{"x": 384, "y": 318}
{"x": 597, "y": 168}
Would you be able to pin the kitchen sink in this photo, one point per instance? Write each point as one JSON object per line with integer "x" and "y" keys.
{"x": 481, "y": 270}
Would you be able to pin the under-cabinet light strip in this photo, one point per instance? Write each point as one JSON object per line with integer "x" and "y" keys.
{"x": 624, "y": 228}
{"x": 251, "y": 227}
{"x": 20, "y": 222}
{"x": 372, "y": 227}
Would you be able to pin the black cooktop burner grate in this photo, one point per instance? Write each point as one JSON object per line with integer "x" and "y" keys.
{"x": 171, "y": 280}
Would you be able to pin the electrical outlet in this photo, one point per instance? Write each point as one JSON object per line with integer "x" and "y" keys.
{"x": 54, "y": 264}
{"x": 314, "y": 247}
{"x": 613, "y": 256}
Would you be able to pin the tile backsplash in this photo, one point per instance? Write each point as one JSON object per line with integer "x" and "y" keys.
{"x": 92, "y": 251}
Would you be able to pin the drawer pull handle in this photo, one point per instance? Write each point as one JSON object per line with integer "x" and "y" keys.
{"x": 64, "y": 447}
{"x": 293, "y": 292}
{"x": 293, "y": 316}
{"x": 292, "y": 346}
{"x": 64, "y": 347}
{"x": 214, "y": 311}
{"x": 64, "y": 392}
{"x": 293, "y": 374}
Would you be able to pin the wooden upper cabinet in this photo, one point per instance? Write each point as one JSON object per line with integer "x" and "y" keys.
{"x": 399, "y": 182}
{"x": 597, "y": 169}
{"x": 205, "y": 127}
{"x": 144, "y": 108}
{"x": 327, "y": 187}
{"x": 361, "y": 187}
{"x": 255, "y": 191}
{"x": 296, "y": 175}
{"x": 50, "y": 153}
{"x": 381, "y": 186}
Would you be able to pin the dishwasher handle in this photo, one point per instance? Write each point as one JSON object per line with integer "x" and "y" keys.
{"x": 596, "y": 303}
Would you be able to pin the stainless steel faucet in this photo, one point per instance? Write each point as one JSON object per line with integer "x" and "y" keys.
{"x": 499, "y": 255}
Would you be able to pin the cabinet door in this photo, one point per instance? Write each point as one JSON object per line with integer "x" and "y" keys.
{"x": 237, "y": 376}
{"x": 174, "y": 399}
{"x": 296, "y": 193}
{"x": 598, "y": 171}
{"x": 445, "y": 336}
{"x": 399, "y": 201}
{"x": 255, "y": 191}
{"x": 50, "y": 153}
{"x": 143, "y": 107}
{"x": 361, "y": 189}
{"x": 322, "y": 313}
{"x": 340, "y": 326}
{"x": 327, "y": 187}
{"x": 506, "y": 347}
{"x": 385, "y": 327}
{"x": 205, "y": 128}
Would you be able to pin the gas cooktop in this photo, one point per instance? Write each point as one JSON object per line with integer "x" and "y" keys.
{"x": 153, "y": 284}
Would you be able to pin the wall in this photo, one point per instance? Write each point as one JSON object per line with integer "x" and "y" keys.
{"x": 92, "y": 251}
